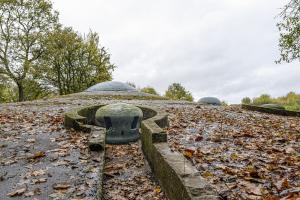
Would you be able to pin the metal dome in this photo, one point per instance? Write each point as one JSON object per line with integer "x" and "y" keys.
{"x": 210, "y": 101}
{"x": 122, "y": 122}
{"x": 110, "y": 86}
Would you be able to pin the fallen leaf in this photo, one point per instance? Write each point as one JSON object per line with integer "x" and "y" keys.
{"x": 157, "y": 190}
{"x": 234, "y": 156}
{"x": 252, "y": 189}
{"x": 230, "y": 171}
{"x": 207, "y": 174}
{"x": 199, "y": 138}
{"x": 61, "y": 186}
{"x": 188, "y": 153}
{"x": 40, "y": 180}
{"x": 284, "y": 184}
{"x": 17, "y": 192}
{"x": 290, "y": 150}
{"x": 254, "y": 173}
{"x": 38, "y": 154}
{"x": 38, "y": 172}
{"x": 29, "y": 194}
{"x": 32, "y": 140}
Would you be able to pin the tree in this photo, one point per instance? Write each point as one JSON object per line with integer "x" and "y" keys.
{"x": 36, "y": 89}
{"x": 23, "y": 26}
{"x": 178, "y": 92}
{"x": 72, "y": 62}
{"x": 224, "y": 103}
{"x": 289, "y": 27}
{"x": 149, "y": 90}
{"x": 291, "y": 101}
{"x": 132, "y": 84}
{"x": 6, "y": 90}
{"x": 263, "y": 99}
{"x": 246, "y": 100}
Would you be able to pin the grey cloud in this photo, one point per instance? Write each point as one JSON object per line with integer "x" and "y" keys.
{"x": 217, "y": 48}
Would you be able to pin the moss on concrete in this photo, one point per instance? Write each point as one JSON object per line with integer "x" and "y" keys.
{"x": 271, "y": 110}
{"x": 115, "y": 97}
{"x": 178, "y": 178}
{"x": 80, "y": 118}
{"x": 273, "y": 106}
{"x": 97, "y": 139}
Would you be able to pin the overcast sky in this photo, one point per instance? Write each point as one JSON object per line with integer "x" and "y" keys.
{"x": 222, "y": 48}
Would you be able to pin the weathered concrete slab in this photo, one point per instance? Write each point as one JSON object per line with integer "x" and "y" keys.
{"x": 271, "y": 110}
{"x": 97, "y": 139}
{"x": 178, "y": 178}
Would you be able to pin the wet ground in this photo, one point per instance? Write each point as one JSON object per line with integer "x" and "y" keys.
{"x": 39, "y": 159}
{"x": 127, "y": 174}
{"x": 243, "y": 154}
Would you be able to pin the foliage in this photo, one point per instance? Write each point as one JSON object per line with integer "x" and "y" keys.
{"x": 39, "y": 57}
{"x": 32, "y": 88}
{"x": 246, "y": 100}
{"x": 73, "y": 62}
{"x": 177, "y": 92}
{"x": 293, "y": 107}
{"x": 6, "y": 90}
{"x": 35, "y": 89}
{"x": 23, "y": 26}
{"x": 224, "y": 103}
{"x": 289, "y": 29}
{"x": 263, "y": 99}
{"x": 291, "y": 101}
{"x": 149, "y": 90}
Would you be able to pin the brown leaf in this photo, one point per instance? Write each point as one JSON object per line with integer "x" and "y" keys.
{"x": 32, "y": 140}
{"x": 230, "y": 171}
{"x": 38, "y": 154}
{"x": 17, "y": 192}
{"x": 234, "y": 156}
{"x": 61, "y": 186}
{"x": 254, "y": 173}
{"x": 38, "y": 172}
{"x": 290, "y": 150}
{"x": 114, "y": 167}
{"x": 285, "y": 184}
{"x": 40, "y": 180}
{"x": 252, "y": 189}
{"x": 270, "y": 197}
{"x": 199, "y": 138}
{"x": 29, "y": 194}
{"x": 188, "y": 153}
{"x": 207, "y": 174}
{"x": 157, "y": 189}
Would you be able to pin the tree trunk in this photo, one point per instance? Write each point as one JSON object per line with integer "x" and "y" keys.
{"x": 59, "y": 82}
{"x": 21, "y": 91}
